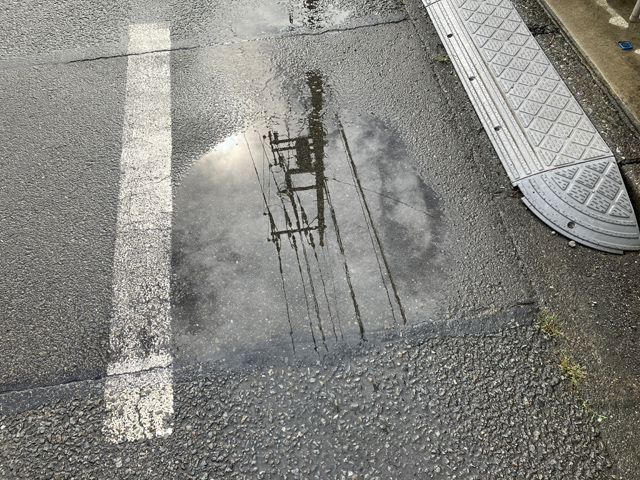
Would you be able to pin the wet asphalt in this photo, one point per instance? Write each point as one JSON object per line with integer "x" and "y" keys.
{"x": 423, "y": 361}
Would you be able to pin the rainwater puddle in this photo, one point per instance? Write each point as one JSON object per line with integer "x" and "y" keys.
{"x": 297, "y": 236}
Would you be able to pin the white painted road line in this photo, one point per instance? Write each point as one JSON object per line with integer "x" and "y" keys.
{"x": 139, "y": 389}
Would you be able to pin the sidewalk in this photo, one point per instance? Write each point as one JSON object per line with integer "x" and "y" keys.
{"x": 595, "y": 28}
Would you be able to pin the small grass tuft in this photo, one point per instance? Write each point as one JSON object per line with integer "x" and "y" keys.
{"x": 444, "y": 58}
{"x": 572, "y": 369}
{"x": 550, "y": 324}
{"x": 586, "y": 407}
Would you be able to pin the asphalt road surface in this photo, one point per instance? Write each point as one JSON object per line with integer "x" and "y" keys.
{"x": 262, "y": 239}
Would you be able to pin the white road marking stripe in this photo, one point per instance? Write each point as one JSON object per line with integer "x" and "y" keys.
{"x": 139, "y": 389}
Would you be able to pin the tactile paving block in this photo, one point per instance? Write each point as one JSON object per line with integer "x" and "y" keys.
{"x": 547, "y": 144}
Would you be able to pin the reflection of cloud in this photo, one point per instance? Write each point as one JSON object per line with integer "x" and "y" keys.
{"x": 247, "y": 19}
{"x": 399, "y": 194}
{"x": 334, "y": 16}
{"x": 227, "y": 160}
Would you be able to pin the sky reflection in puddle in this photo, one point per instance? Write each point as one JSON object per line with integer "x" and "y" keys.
{"x": 310, "y": 236}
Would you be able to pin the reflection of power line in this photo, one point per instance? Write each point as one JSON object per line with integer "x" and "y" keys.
{"x": 290, "y": 231}
{"x": 307, "y": 160}
{"x": 369, "y": 220}
{"x": 370, "y": 227}
{"x": 277, "y": 244}
{"x": 345, "y": 265}
{"x": 296, "y": 166}
{"x": 313, "y": 295}
{"x": 395, "y": 200}
{"x": 335, "y": 292}
{"x": 311, "y": 241}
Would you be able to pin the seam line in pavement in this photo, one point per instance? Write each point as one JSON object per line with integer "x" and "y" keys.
{"x": 629, "y": 161}
{"x": 20, "y": 62}
{"x": 129, "y": 55}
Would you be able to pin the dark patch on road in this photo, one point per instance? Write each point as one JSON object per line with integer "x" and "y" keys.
{"x": 537, "y": 29}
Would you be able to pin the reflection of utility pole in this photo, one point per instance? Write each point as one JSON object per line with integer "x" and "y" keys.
{"x": 311, "y": 10}
{"x": 308, "y": 158}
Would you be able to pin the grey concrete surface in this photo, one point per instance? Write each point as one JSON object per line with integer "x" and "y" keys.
{"x": 462, "y": 261}
{"x": 475, "y": 392}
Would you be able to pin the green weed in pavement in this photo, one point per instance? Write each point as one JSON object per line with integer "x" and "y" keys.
{"x": 572, "y": 369}
{"x": 586, "y": 407}
{"x": 550, "y": 324}
{"x": 443, "y": 58}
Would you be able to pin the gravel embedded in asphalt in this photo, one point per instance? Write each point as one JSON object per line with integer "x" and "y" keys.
{"x": 480, "y": 406}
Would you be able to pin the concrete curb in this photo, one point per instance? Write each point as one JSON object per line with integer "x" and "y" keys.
{"x": 592, "y": 67}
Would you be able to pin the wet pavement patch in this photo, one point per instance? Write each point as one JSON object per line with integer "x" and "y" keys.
{"x": 200, "y": 23}
{"x": 315, "y": 229}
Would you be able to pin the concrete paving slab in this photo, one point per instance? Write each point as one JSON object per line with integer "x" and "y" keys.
{"x": 228, "y": 291}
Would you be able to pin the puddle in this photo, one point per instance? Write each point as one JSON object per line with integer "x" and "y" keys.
{"x": 301, "y": 235}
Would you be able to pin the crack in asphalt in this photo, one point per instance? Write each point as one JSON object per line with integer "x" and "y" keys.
{"x": 346, "y": 29}
{"x": 16, "y": 62}
{"x": 629, "y": 161}
{"x": 134, "y": 54}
